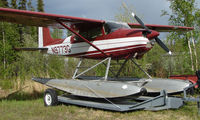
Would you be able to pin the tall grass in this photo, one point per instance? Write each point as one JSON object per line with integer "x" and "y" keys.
{"x": 34, "y": 110}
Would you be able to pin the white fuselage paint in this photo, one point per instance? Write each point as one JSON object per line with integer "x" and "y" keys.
{"x": 40, "y": 37}
{"x": 66, "y": 48}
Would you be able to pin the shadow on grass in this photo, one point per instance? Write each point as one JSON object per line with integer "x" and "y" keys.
{"x": 24, "y": 96}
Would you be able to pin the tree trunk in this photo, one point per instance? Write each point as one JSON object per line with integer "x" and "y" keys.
{"x": 195, "y": 51}
{"x": 191, "y": 55}
{"x": 4, "y": 52}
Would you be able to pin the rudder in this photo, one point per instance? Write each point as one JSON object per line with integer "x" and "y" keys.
{"x": 44, "y": 37}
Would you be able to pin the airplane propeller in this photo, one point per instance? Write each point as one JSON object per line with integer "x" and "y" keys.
{"x": 158, "y": 40}
{"x": 141, "y": 23}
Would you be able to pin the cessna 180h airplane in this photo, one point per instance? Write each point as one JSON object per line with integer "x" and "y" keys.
{"x": 105, "y": 41}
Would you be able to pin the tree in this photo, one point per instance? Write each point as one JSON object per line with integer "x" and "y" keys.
{"x": 22, "y": 4}
{"x": 29, "y": 5}
{"x": 1, "y": 4}
{"x": 4, "y": 3}
{"x": 124, "y": 14}
{"x": 184, "y": 13}
{"x": 57, "y": 33}
{"x": 14, "y": 4}
{"x": 40, "y": 6}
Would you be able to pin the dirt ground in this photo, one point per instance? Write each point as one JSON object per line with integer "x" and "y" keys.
{"x": 29, "y": 87}
{"x": 3, "y": 93}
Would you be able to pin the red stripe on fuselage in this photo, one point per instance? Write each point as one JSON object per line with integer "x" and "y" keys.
{"x": 116, "y": 53}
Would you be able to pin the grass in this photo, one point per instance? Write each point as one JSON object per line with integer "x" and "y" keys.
{"x": 35, "y": 110}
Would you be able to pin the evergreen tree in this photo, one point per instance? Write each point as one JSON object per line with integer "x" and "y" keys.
{"x": 40, "y": 6}
{"x": 1, "y": 4}
{"x": 4, "y": 3}
{"x": 22, "y": 4}
{"x": 31, "y": 29}
{"x": 14, "y": 4}
{"x": 30, "y": 6}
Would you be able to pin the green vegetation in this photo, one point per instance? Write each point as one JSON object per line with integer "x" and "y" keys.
{"x": 185, "y": 13}
{"x": 20, "y": 66}
{"x": 34, "y": 110}
{"x": 40, "y": 6}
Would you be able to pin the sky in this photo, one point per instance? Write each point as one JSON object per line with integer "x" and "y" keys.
{"x": 148, "y": 10}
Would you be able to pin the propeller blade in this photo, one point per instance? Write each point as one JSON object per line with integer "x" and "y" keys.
{"x": 136, "y": 17}
{"x": 162, "y": 45}
{"x": 140, "y": 22}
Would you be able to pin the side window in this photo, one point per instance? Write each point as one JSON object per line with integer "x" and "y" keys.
{"x": 94, "y": 33}
{"x": 90, "y": 35}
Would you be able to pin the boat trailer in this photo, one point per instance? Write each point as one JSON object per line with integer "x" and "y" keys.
{"x": 120, "y": 104}
{"x": 160, "y": 102}
{"x": 117, "y": 95}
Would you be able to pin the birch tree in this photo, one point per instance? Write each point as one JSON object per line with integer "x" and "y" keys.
{"x": 184, "y": 13}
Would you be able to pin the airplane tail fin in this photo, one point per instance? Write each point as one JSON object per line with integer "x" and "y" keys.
{"x": 44, "y": 37}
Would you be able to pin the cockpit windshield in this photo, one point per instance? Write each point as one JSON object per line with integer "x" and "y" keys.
{"x": 113, "y": 26}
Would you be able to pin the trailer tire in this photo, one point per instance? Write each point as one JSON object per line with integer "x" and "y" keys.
{"x": 50, "y": 98}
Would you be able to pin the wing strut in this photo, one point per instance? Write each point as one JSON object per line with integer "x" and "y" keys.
{"x": 82, "y": 38}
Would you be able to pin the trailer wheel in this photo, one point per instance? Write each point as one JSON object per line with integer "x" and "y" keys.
{"x": 50, "y": 98}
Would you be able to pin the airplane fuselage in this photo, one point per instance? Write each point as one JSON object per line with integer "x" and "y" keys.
{"x": 117, "y": 48}
{"x": 119, "y": 44}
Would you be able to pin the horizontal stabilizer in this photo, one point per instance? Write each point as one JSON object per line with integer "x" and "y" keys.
{"x": 31, "y": 49}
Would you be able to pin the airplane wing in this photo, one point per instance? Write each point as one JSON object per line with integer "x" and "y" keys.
{"x": 162, "y": 28}
{"x": 46, "y": 20}
{"x": 82, "y": 24}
